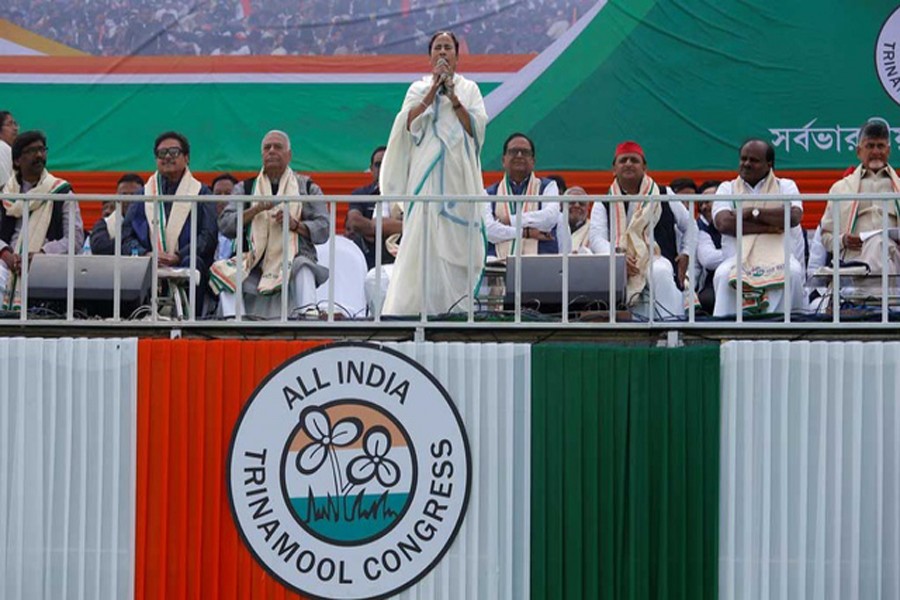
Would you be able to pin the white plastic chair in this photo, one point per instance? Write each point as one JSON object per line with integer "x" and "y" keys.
{"x": 349, "y": 276}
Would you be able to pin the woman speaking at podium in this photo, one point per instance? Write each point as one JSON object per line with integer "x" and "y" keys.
{"x": 434, "y": 150}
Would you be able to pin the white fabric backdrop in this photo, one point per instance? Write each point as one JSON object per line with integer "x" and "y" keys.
{"x": 810, "y": 470}
{"x": 67, "y": 479}
{"x": 491, "y": 385}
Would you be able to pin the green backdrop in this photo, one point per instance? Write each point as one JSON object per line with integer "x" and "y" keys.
{"x": 625, "y": 472}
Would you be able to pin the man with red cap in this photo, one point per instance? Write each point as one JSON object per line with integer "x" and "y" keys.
{"x": 674, "y": 234}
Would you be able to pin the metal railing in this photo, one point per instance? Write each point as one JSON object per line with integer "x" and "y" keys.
{"x": 479, "y": 313}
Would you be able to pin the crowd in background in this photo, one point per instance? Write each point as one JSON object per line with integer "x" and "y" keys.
{"x": 289, "y": 27}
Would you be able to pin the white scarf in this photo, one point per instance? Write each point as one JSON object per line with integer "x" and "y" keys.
{"x": 505, "y": 211}
{"x": 265, "y": 240}
{"x": 169, "y": 227}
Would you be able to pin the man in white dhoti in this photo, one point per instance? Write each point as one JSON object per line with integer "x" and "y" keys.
{"x": 674, "y": 235}
{"x": 762, "y": 247}
{"x": 434, "y": 150}
{"x": 861, "y": 217}
{"x": 264, "y": 243}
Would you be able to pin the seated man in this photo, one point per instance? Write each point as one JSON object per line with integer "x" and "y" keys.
{"x": 709, "y": 255}
{"x": 873, "y": 175}
{"x": 763, "y": 262}
{"x": 361, "y": 221}
{"x": 674, "y": 235}
{"x": 173, "y": 240}
{"x": 683, "y": 185}
{"x": 48, "y": 221}
{"x": 9, "y": 129}
{"x": 539, "y": 219}
{"x": 263, "y": 244}
{"x": 103, "y": 234}
{"x": 223, "y": 185}
{"x": 573, "y": 236}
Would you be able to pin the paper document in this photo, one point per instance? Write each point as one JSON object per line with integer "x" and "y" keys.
{"x": 893, "y": 233}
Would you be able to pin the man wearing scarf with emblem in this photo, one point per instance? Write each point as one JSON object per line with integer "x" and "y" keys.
{"x": 173, "y": 237}
{"x": 873, "y": 176}
{"x": 48, "y": 221}
{"x": 762, "y": 248}
{"x": 264, "y": 246}
{"x": 674, "y": 235}
{"x": 539, "y": 219}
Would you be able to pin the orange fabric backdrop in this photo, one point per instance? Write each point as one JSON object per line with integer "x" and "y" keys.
{"x": 190, "y": 393}
{"x": 595, "y": 182}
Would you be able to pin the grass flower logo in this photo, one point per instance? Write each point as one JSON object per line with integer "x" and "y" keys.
{"x": 374, "y": 462}
{"x": 317, "y": 426}
{"x": 349, "y": 472}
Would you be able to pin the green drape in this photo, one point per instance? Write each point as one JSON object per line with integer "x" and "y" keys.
{"x": 625, "y": 472}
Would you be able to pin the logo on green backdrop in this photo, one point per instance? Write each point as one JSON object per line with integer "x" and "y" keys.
{"x": 349, "y": 472}
{"x": 886, "y": 54}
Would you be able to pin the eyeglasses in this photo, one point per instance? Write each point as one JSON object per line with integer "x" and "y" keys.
{"x": 519, "y": 152}
{"x": 174, "y": 152}
{"x": 36, "y": 150}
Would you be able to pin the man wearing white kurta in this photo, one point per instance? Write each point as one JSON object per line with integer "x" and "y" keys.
{"x": 763, "y": 236}
{"x": 675, "y": 235}
{"x": 434, "y": 150}
{"x": 9, "y": 129}
{"x": 573, "y": 235}
{"x": 873, "y": 175}
{"x": 265, "y": 246}
{"x": 539, "y": 219}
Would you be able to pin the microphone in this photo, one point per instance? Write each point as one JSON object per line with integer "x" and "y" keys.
{"x": 442, "y": 62}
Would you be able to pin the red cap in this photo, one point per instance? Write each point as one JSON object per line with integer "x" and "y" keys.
{"x": 629, "y": 147}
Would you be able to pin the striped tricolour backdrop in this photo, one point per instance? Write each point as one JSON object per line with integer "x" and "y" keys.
{"x": 746, "y": 470}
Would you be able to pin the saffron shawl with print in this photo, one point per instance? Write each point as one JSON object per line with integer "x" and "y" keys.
{"x": 762, "y": 254}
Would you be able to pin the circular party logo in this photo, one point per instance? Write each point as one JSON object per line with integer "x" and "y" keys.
{"x": 349, "y": 472}
{"x": 887, "y": 55}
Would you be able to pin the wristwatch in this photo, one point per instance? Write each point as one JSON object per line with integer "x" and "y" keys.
{"x": 755, "y": 213}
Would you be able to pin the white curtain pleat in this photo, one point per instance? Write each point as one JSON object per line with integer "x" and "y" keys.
{"x": 491, "y": 385}
{"x": 67, "y": 468}
{"x": 810, "y": 471}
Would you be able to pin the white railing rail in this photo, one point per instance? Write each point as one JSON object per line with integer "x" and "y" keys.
{"x": 473, "y": 317}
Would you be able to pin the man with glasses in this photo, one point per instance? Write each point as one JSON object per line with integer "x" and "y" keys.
{"x": 173, "y": 235}
{"x": 861, "y": 217}
{"x": 539, "y": 219}
{"x": 574, "y": 238}
{"x": 48, "y": 221}
{"x": 360, "y": 223}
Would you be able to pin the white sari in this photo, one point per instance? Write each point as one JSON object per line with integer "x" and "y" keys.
{"x": 436, "y": 157}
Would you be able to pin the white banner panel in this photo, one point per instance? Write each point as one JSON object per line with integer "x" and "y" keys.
{"x": 67, "y": 468}
{"x": 810, "y": 470}
{"x": 491, "y": 386}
